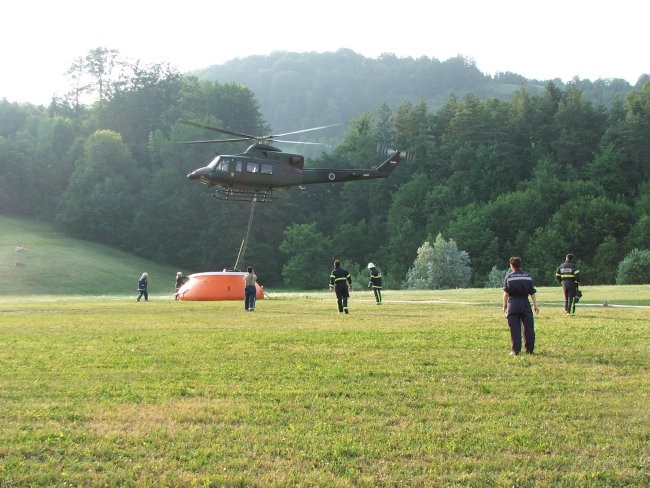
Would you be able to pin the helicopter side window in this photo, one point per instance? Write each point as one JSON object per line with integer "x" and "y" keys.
{"x": 253, "y": 167}
{"x": 239, "y": 166}
{"x": 267, "y": 168}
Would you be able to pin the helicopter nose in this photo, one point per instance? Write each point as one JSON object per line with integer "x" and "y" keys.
{"x": 201, "y": 174}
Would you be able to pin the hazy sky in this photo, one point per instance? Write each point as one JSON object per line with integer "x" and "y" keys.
{"x": 40, "y": 39}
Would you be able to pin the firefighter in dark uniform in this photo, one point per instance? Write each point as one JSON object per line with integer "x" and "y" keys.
{"x": 341, "y": 283}
{"x": 568, "y": 274}
{"x": 375, "y": 282}
{"x": 516, "y": 288}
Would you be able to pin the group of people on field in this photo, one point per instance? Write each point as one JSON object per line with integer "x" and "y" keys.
{"x": 341, "y": 284}
{"x": 517, "y": 287}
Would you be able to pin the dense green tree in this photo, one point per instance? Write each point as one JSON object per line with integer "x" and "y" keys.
{"x": 604, "y": 264}
{"x": 586, "y": 221}
{"x": 101, "y": 197}
{"x": 309, "y": 257}
{"x": 635, "y": 268}
{"x": 579, "y": 129}
{"x": 470, "y": 229}
{"x": 406, "y": 224}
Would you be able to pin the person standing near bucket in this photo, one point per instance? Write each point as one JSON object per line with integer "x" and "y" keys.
{"x": 250, "y": 290}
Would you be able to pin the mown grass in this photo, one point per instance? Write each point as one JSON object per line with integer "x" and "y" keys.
{"x": 418, "y": 392}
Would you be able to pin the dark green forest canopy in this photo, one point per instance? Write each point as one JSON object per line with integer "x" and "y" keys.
{"x": 538, "y": 173}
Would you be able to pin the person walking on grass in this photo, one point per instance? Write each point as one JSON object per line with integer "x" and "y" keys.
{"x": 568, "y": 274}
{"x": 341, "y": 283}
{"x": 142, "y": 287}
{"x": 375, "y": 282}
{"x": 518, "y": 285}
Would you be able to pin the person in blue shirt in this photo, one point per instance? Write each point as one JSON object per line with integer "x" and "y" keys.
{"x": 518, "y": 285}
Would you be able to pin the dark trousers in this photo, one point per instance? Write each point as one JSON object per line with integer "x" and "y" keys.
{"x": 342, "y": 295}
{"x": 377, "y": 294}
{"x": 249, "y": 297}
{"x": 569, "y": 288}
{"x": 520, "y": 315}
{"x": 143, "y": 293}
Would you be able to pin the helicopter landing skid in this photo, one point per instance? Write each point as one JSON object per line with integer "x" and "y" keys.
{"x": 242, "y": 194}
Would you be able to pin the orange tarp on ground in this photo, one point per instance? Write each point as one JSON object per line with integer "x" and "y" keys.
{"x": 216, "y": 285}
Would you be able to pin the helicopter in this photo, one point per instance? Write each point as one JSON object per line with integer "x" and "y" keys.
{"x": 262, "y": 168}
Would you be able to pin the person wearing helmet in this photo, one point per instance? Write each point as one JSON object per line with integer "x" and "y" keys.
{"x": 142, "y": 288}
{"x": 375, "y": 282}
{"x": 341, "y": 283}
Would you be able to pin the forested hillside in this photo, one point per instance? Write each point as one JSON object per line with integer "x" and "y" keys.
{"x": 336, "y": 87}
{"x": 537, "y": 174}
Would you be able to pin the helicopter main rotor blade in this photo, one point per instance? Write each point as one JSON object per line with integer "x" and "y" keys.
{"x": 248, "y": 137}
{"x": 239, "y": 139}
{"x": 303, "y": 130}
{"x": 244, "y": 137}
{"x": 299, "y": 142}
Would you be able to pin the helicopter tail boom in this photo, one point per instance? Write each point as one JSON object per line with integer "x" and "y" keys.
{"x": 312, "y": 176}
{"x": 387, "y": 167}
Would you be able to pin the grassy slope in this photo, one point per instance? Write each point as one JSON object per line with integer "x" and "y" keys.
{"x": 56, "y": 264}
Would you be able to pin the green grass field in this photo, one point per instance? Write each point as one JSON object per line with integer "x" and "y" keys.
{"x": 104, "y": 391}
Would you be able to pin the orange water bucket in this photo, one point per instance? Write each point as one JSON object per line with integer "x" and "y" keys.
{"x": 216, "y": 285}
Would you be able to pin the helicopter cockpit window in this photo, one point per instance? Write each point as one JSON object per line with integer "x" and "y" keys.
{"x": 253, "y": 167}
{"x": 213, "y": 164}
{"x": 224, "y": 165}
{"x": 267, "y": 168}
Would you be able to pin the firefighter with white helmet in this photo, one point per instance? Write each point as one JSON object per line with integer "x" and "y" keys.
{"x": 375, "y": 282}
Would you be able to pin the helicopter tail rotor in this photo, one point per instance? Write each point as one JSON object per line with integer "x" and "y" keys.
{"x": 385, "y": 150}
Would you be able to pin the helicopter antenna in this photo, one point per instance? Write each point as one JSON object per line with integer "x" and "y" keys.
{"x": 244, "y": 242}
